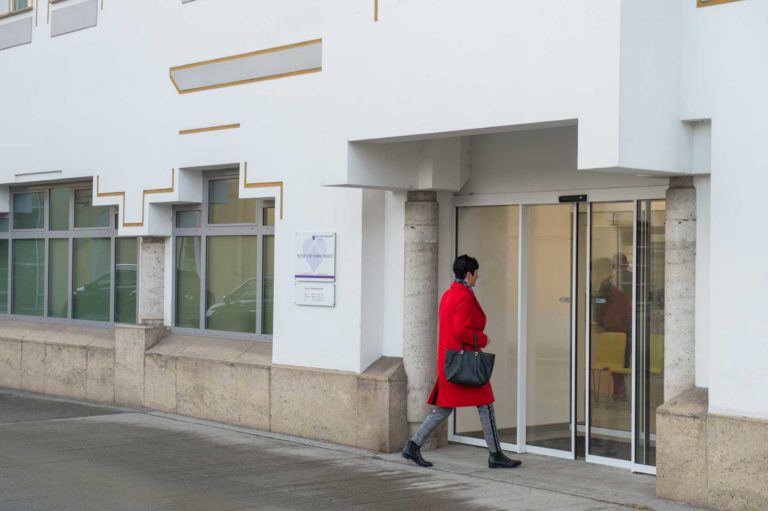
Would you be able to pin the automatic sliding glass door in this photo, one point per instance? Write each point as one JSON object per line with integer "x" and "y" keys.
{"x": 574, "y": 296}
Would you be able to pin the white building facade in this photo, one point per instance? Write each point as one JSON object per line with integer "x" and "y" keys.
{"x": 247, "y": 212}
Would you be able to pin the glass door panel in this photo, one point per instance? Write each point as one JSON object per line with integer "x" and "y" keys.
{"x": 491, "y": 234}
{"x": 581, "y": 330}
{"x": 548, "y": 268}
{"x": 650, "y": 327}
{"x": 611, "y": 288}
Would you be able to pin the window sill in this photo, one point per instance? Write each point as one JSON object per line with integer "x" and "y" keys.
{"x": 214, "y": 349}
{"x": 52, "y": 332}
{"x": 15, "y": 13}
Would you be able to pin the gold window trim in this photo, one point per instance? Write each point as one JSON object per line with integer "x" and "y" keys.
{"x": 708, "y": 3}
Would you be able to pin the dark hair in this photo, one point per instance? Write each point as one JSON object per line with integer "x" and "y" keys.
{"x": 463, "y": 265}
{"x": 620, "y": 260}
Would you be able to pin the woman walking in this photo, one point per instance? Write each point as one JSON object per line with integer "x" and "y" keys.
{"x": 461, "y": 323}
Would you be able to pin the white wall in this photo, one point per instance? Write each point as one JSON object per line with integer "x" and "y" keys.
{"x": 725, "y": 76}
{"x": 652, "y": 135}
{"x": 99, "y": 102}
{"x": 493, "y": 64}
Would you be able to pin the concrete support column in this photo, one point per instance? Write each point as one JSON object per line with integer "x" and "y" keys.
{"x": 151, "y": 281}
{"x": 420, "y": 305}
{"x": 680, "y": 288}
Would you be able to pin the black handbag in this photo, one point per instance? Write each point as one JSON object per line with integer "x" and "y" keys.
{"x": 470, "y": 368}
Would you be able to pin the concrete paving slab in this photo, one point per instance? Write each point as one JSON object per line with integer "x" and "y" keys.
{"x": 18, "y": 407}
{"x": 57, "y": 455}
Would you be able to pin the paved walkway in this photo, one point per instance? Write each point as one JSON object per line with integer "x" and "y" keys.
{"x": 64, "y": 455}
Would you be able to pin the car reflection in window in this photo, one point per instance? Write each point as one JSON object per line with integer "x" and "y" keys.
{"x": 91, "y": 300}
{"x": 236, "y": 311}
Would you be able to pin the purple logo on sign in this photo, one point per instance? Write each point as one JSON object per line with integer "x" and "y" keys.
{"x": 314, "y": 250}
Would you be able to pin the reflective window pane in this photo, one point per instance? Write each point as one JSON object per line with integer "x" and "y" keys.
{"x": 188, "y": 219}
{"x": 188, "y": 259}
{"x": 58, "y": 216}
{"x": 91, "y": 279}
{"x": 126, "y": 259}
{"x": 28, "y": 276}
{"x": 268, "y": 285}
{"x": 28, "y": 210}
{"x": 4, "y": 224}
{"x": 269, "y": 216}
{"x": 3, "y": 276}
{"x": 58, "y": 273}
{"x": 87, "y": 215}
{"x": 224, "y": 206}
{"x": 231, "y": 283}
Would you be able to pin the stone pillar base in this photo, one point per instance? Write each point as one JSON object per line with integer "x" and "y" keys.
{"x": 681, "y": 448}
{"x": 709, "y": 460}
{"x": 366, "y": 410}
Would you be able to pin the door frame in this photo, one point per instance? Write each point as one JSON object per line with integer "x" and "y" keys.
{"x": 521, "y": 200}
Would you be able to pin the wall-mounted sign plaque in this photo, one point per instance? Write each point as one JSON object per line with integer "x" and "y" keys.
{"x": 319, "y": 294}
{"x": 315, "y": 256}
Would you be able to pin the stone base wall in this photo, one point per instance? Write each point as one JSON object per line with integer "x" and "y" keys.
{"x": 222, "y": 380}
{"x": 58, "y": 360}
{"x": 708, "y": 460}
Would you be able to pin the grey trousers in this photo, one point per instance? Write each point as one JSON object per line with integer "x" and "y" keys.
{"x": 438, "y": 416}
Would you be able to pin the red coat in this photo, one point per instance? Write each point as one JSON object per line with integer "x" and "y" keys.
{"x": 461, "y": 317}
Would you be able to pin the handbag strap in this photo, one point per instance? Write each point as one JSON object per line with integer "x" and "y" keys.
{"x": 476, "y": 347}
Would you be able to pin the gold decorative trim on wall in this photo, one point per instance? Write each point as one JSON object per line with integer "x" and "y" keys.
{"x": 144, "y": 194}
{"x": 272, "y": 184}
{"x": 707, "y": 3}
{"x": 375, "y": 10}
{"x": 254, "y": 79}
{"x": 210, "y": 128}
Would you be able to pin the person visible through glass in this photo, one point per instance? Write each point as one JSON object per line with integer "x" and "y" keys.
{"x": 461, "y": 321}
{"x": 615, "y": 314}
